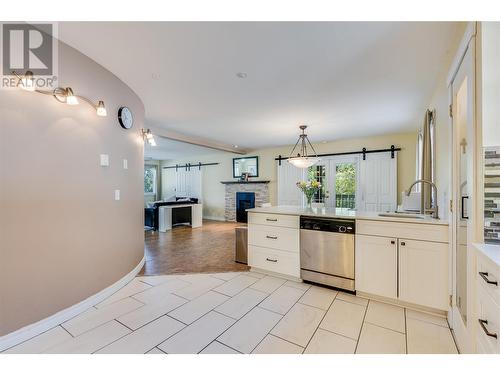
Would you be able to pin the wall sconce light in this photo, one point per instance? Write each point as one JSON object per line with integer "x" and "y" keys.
{"x": 63, "y": 95}
{"x": 148, "y": 136}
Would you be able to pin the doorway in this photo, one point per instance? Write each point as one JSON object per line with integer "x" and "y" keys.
{"x": 464, "y": 192}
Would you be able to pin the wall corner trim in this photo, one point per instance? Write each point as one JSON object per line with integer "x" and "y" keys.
{"x": 37, "y": 328}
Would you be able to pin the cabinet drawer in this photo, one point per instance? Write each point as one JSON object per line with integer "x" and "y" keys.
{"x": 489, "y": 311}
{"x": 487, "y": 275}
{"x": 424, "y": 232}
{"x": 288, "y": 221}
{"x": 272, "y": 260}
{"x": 281, "y": 238}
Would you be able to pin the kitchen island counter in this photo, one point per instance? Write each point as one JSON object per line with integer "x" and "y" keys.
{"x": 342, "y": 213}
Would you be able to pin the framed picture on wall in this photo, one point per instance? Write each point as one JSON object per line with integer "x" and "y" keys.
{"x": 248, "y": 165}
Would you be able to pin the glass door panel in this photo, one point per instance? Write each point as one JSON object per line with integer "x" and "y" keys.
{"x": 345, "y": 184}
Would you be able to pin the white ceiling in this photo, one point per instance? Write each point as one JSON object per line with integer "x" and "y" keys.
{"x": 167, "y": 149}
{"x": 344, "y": 79}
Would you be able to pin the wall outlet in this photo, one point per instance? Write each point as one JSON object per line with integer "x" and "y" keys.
{"x": 125, "y": 164}
{"x": 104, "y": 160}
{"x": 117, "y": 195}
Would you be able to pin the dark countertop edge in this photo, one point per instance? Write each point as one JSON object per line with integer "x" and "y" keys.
{"x": 245, "y": 182}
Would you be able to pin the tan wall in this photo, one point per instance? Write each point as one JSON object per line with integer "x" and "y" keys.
{"x": 63, "y": 237}
{"x": 213, "y": 190}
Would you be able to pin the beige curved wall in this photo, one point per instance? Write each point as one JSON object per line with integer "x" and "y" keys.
{"x": 63, "y": 237}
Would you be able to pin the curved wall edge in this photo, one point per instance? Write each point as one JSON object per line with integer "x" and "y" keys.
{"x": 17, "y": 337}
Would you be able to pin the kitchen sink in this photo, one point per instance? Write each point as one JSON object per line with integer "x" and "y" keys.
{"x": 402, "y": 215}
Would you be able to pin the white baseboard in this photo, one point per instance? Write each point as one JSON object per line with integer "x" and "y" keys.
{"x": 52, "y": 321}
{"x": 216, "y": 218}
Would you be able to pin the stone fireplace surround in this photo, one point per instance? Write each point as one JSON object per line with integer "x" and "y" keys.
{"x": 260, "y": 188}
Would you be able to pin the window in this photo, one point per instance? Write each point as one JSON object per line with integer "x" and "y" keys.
{"x": 345, "y": 185}
{"x": 150, "y": 180}
{"x": 318, "y": 173}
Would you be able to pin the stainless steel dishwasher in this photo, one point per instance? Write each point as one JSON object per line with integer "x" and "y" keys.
{"x": 327, "y": 251}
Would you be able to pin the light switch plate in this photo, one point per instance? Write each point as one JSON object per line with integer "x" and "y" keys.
{"x": 104, "y": 160}
{"x": 117, "y": 195}
{"x": 125, "y": 164}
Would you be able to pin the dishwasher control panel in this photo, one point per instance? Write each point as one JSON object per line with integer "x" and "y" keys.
{"x": 328, "y": 225}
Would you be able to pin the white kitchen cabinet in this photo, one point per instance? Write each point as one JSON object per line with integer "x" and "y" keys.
{"x": 406, "y": 262}
{"x": 423, "y": 273}
{"x": 487, "y": 291}
{"x": 273, "y": 243}
{"x": 377, "y": 265}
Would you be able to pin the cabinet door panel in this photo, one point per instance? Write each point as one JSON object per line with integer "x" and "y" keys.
{"x": 423, "y": 273}
{"x": 376, "y": 265}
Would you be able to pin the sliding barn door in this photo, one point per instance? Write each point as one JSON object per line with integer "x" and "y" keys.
{"x": 288, "y": 192}
{"x": 378, "y": 182}
{"x": 188, "y": 183}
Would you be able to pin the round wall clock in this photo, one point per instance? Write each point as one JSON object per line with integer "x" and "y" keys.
{"x": 125, "y": 117}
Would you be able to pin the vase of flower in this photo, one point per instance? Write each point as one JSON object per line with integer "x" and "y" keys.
{"x": 309, "y": 188}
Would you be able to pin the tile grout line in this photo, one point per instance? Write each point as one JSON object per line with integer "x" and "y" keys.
{"x": 452, "y": 336}
{"x": 406, "y": 333}
{"x": 303, "y": 292}
{"x": 188, "y": 325}
{"x": 61, "y": 325}
{"x": 108, "y": 344}
{"x": 362, "y": 325}
{"x": 227, "y": 346}
{"x": 389, "y": 329}
{"x": 281, "y": 338}
{"x": 282, "y": 316}
{"x": 321, "y": 321}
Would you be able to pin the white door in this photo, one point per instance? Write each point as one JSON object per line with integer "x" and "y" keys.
{"x": 378, "y": 182}
{"x": 188, "y": 183}
{"x": 464, "y": 190}
{"x": 288, "y": 192}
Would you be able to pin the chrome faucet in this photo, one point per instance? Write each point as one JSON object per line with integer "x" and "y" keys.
{"x": 434, "y": 209}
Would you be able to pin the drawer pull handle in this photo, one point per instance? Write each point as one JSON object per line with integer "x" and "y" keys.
{"x": 484, "y": 275}
{"x": 393, "y": 242}
{"x": 272, "y": 237}
{"x": 403, "y": 243}
{"x": 272, "y": 260}
{"x": 267, "y": 219}
{"x": 483, "y": 324}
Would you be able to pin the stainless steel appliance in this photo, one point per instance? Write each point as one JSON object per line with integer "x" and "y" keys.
{"x": 327, "y": 251}
{"x": 241, "y": 245}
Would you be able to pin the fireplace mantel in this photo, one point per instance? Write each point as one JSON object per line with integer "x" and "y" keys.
{"x": 245, "y": 182}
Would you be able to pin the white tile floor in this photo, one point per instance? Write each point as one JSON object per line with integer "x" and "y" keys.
{"x": 241, "y": 312}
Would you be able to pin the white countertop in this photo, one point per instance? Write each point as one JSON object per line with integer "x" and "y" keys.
{"x": 491, "y": 251}
{"x": 341, "y": 213}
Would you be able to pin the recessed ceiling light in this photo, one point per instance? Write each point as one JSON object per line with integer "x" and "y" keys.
{"x": 235, "y": 146}
{"x": 241, "y": 75}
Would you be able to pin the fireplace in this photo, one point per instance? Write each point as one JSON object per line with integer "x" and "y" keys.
{"x": 259, "y": 189}
{"x": 244, "y": 201}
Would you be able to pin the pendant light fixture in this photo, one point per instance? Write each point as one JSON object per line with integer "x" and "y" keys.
{"x": 302, "y": 159}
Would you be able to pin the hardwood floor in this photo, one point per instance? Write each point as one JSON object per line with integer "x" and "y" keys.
{"x": 207, "y": 249}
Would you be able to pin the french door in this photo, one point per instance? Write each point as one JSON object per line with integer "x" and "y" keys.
{"x": 339, "y": 176}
